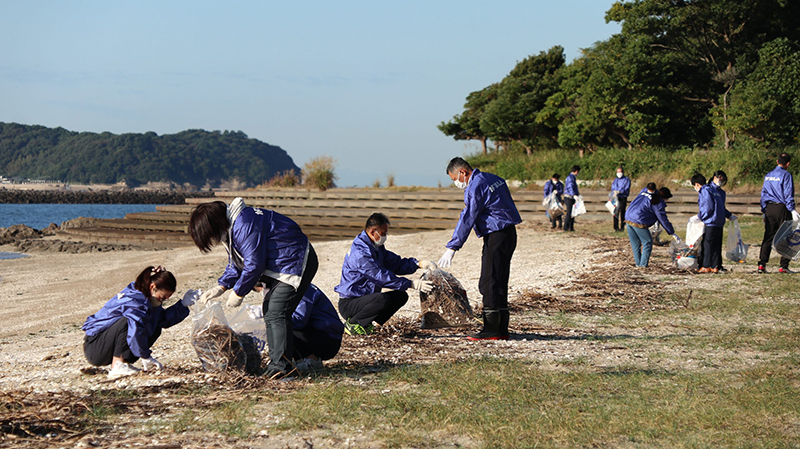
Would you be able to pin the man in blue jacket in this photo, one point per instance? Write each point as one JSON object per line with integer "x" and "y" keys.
{"x": 711, "y": 205}
{"x": 622, "y": 187}
{"x": 777, "y": 205}
{"x": 367, "y": 269}
{"x": 317, "y": 330}
{"x": 554, "y": 185}
{"x": 490, "y": 210}
{"x": 570, "y": 192}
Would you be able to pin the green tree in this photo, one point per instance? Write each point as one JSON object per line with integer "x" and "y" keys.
{"x": 467, "y": 125}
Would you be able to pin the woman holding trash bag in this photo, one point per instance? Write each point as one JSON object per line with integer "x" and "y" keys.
{"x": 554, "y": 185}
{"x": 711, "y": 203}
{"x": 123, "y": 331}
{"x": 263, "y": 247}
{"x": 647, "y": 208}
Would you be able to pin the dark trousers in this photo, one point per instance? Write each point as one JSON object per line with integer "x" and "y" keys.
{"x": 556, "y": 222}
{"x": 712, "y": 247}
{"x": 312, "y": 341}
{"x": 101, "y": 348}
{"x": 774, "y": 216}
{"x": 377, "y": 307}
{"x": 280, "y": 300}
{"x": 498, "y": 247}
{"x": 569, "y": 222}
{"x": 619, "y": 217}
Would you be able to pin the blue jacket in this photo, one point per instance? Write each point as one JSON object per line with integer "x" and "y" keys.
{"x": 264, "y": 242}
{"x": 367, "y": 269}
{"x": 489, "y": 208}
{"x": 571, "y": 185}
{"x": 711, "y": 203}
{"x": 315, "y": 311}
{"x": 622, "y": 185}
{"x": 143, "y": 318}
{"x": 778, "y": 188}
{"x": 548, "y": 189}
{"x": 642, "y": 212}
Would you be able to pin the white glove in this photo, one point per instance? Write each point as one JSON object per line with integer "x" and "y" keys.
{"x": 234, "y": 300}
{"x": 677, "y": 239}
{"x": 733, "y": 217}
{"x": 191, "y": 297}
{"x": 447, "y": 258}
{"x": 215, "y": 292}
{"x": 795, "y": 215}
{"x": 427, "y": 265}
{"x": 151, "y": 363}
{"x": 423, "y": 286}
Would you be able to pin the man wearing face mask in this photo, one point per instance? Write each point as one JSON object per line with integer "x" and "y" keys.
{"x": 711, "y": 203}
{"x": 367, "y": 269}
{"x": 622, "y": 187}
{"x": 555, "y": 185}
{"x": 570, "y": 192}
{"x": 489, "y": 210}
{"x": 698, "y": 181}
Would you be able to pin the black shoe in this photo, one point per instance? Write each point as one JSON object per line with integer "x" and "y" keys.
{"x": 491, "y": 327}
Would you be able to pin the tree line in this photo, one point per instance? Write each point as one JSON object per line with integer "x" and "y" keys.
{"x": 194, "y": 157}
{"x": 680, "y": 73}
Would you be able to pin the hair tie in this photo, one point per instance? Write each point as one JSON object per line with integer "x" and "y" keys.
{"x": 157, "y": 270}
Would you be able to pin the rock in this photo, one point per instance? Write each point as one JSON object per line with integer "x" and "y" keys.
{"x": 17, "y": 232}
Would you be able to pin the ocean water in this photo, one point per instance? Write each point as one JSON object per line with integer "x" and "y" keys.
{"x": 40, "y": 216}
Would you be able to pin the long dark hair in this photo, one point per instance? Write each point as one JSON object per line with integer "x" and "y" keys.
{"x": 163, "y": 279}
{"x": 207, "y": 223}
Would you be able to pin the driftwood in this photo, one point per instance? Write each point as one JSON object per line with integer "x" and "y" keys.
{"x": 219, "y": 348}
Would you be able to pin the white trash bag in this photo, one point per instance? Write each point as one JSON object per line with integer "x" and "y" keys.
{"x": 694, "y": 233}
{"x": 552, "y": 206}
{"x": 579, "y": 208}
{"x": 612, "y": 202}
{"x": 736, "y": 249}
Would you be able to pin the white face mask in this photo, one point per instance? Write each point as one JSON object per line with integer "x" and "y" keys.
{"x": 555, "y": 181}
{"x": 381, "y": 241}
{"x": 619, "y": 175}
{"x": 460, "y": 184}
{"x": 696, "y": 188}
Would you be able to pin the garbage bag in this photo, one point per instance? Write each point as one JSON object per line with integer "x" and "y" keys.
{"x": 736, "y": 250}
{"x": 682, "y": 256}
{"x": 447, "y": 304}
{"x": 694, "y": 232}
{"x": 248, "y": 324}
{"x": 216, "y": 344}
{"x": 655, "y": 233}
{"x": 612, "y": 202}
{"x": 552, "y": 206}
{"x": 787, "y": 239}
{"x": 579, "y": 208}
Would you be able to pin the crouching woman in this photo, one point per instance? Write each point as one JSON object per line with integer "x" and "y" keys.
{"x": 123, "y": 331}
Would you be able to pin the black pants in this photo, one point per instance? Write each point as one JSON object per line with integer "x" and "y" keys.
{"x": 101, "y": 348}
{"x": 280, "y": 300}
{"x": 569, "y": 222}
{"x": 774, "y": 216}
{"x": 619, "y": 217}
{"x": 312, "y": 341}
{"x": 377, "y": 307}
{"x": 712, "y": 247}
{"x": 556, "y": 222}
{"x": 498, "y": 247}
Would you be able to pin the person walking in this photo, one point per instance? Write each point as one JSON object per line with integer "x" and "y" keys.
{"x": 647, "y": 208}
{"x": 622, "y": 188}
{"x": 264, "y": 248}
{"x": 127, "y": 326}
{"x": 554, "y": 185}
{"x": 711, "y": 205}
{"x": 369, "y": 268}
{"x": 777, "y": 206}
{"x": 491, "y": 212}
{"x": 570, "y": 192}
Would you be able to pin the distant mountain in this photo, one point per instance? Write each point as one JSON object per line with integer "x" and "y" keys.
{"x": 195, "y": 156}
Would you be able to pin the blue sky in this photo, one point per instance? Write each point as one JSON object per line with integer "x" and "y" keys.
{"x": 365, "y": 82}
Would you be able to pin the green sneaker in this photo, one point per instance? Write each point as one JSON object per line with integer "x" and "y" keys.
{"x": 354, "y": 329}
{"x": 370, "y": 329}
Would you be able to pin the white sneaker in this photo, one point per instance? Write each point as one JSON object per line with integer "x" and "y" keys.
{"x": 122, "y": 370}
{"x": 309, "y": 365}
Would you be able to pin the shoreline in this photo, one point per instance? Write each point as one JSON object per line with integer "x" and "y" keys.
{"x": 98, "y": 197}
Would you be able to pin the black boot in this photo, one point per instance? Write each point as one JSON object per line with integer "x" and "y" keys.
{"x": 503, "y": 328}
{"x": 491, "y": 326}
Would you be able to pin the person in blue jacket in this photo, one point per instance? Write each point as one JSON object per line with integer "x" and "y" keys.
{"x": 647, "y": 208}
{"x": 570, "y": 192}
{"x": 622, "y": 187}
{"x": 491, "y": 212}
{"x": 264, "y": 248}
{"x": 123, "y": 331}
{"x": 711, "y": 205}
{"x": 317, "y": 330}
{"x": 367, "y": 269}
{"x": 549, "y": 187}
{"x": 777, "y": 206}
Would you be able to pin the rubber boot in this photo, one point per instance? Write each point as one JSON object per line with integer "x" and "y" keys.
{"x": 503, "y": 328}
{"x": 491, "y": 326}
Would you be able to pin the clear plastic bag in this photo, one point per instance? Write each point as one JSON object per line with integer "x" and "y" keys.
{"x": 787, "y": 239}
{"x": 694, "y": 232}
{"x": 446, "y": 305}
{"x": 216, "y": 344}
{"x": 655, "y": 233}
{"x": 248, "y": 324}
{"x": 579, "y": 208}
{"x": 682, "y": 256}
{"x": 552, "y": 206}
{"x": 736, "y": 250}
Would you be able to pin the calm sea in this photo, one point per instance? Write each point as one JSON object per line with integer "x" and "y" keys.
{"x": 40, "y": 216}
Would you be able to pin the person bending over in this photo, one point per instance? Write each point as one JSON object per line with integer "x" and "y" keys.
{"x": 647, "y": 208}
{"x": 317, "y": 330}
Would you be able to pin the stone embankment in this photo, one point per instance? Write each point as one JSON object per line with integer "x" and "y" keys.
{"x": 24, "y": 239}
{"x": 98, "y": 197}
